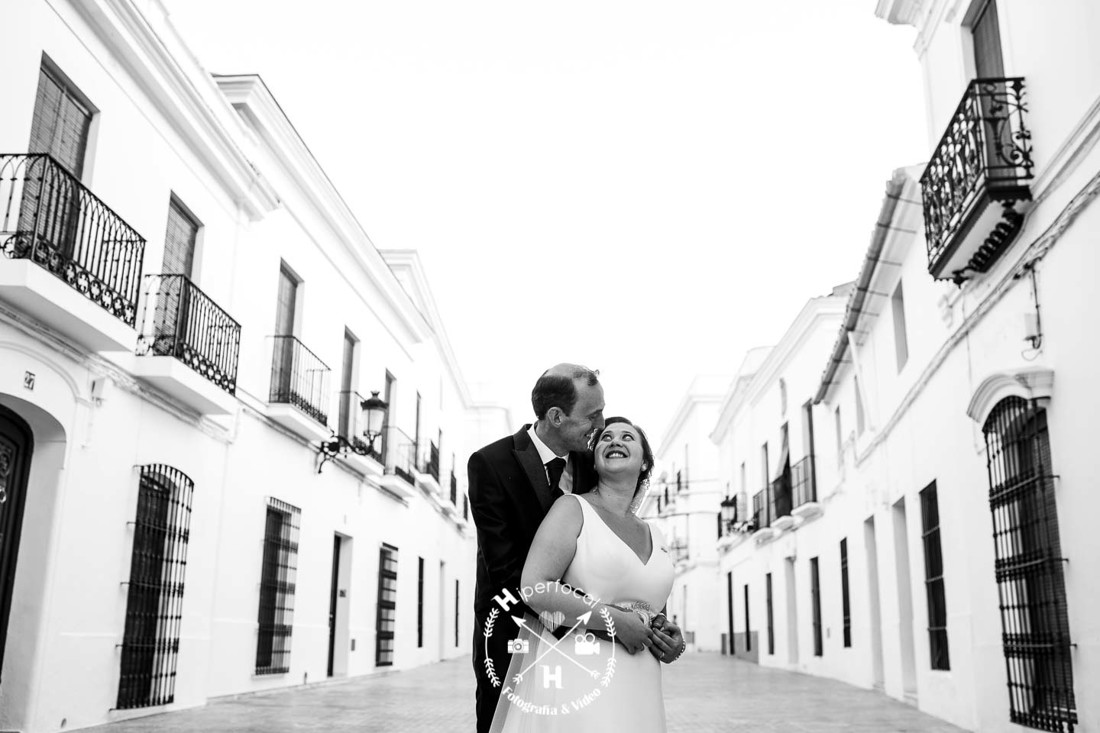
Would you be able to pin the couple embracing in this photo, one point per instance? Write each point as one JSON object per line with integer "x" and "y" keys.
{"x": 571, "y": 584}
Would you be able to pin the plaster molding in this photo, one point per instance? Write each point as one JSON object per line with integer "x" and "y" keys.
{"x": 1030, "y": 384}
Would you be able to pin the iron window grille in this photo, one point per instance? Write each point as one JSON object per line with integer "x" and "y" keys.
{"x": 1028, "y": 567}
{"x": 845, "y": 599}
{"x": 154, "y": 603}
{"x": 933, "y": 579}
{"x": 771, "y": 620}
{"x": 278, "y": 576}
{"x": 815, "y": 602}
{"x": 386, "y": 618}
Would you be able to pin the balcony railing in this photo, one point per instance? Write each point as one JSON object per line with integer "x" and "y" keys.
{"x": 429, "y": 462}
{"x": 762, "y": 508}
{"x": 678, "y": 550}
{"x": 299, "y": 378}
{"x": 50, "y": 218}
{"x": 183, "y": 322}
{"x": 804, "y": 482}
{"x": 400, "y": 453}
{"x": 983, "y": 157}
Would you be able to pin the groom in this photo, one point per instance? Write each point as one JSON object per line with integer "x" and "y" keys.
{"x": 512, "y": 484}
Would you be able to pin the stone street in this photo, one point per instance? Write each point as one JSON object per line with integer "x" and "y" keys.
{"x": 704, "y": 693}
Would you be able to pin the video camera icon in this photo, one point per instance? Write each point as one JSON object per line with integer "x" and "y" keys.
{"x": 586, "y": 645}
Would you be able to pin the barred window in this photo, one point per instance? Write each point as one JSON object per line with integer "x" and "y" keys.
{"x": 1030, "y": 582}
{"x": 154, "y": 604}
{"x": 386, "y": 618}
{"x": 845, "y": 600}
{"x": 278, "y": 575}
{"x": 933, "y": 579}
{"x": 815, "y": 602}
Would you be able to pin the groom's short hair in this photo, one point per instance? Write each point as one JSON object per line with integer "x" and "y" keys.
{"x": 560, "y": 390}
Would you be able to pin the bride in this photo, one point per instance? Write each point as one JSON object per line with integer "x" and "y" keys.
{"x": 595, "y": 542}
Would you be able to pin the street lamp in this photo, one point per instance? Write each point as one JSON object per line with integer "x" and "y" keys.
{"x": 729, "y": 513}
{"x": 373, "y": 415}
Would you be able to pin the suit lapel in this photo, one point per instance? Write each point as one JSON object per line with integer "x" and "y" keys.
{"x": 528, "y": 456}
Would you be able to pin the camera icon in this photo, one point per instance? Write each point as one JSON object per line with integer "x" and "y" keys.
{"x": 519, "y": 646}
{"x": 586, "y": 645}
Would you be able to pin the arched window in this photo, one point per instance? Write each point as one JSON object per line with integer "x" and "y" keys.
{"x": 1029, "y": 563}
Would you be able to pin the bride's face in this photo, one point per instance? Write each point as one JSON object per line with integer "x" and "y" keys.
{"x": 618, "y": 452}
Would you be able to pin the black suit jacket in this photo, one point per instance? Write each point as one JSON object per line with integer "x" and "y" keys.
{"x": 509, "y": 497}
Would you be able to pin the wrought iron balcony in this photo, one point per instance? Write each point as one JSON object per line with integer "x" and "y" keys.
{"x": 804, "y": 482}
{"x": 431, "y": 462}
{"x": 976, "y": 180}
{"x": 299, "y": 378}
{"x": 400, "y": 455}
{"x": 48, "y": 218}
{"x": 762, "y": 508}
{"x": 181, "y": 321}
{"x": 678, "y": 550}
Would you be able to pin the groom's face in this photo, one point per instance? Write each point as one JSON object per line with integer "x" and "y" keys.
{"x": 585, "y": 419}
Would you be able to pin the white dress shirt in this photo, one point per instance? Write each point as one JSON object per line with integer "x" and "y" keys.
{"x": 565, "y": 483}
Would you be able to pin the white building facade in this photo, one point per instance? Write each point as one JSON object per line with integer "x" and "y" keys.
{"x": 771, "y": 436}
{"x": 190, "y": 321}
{"x": 684, "y": 502}
{"x": 952, "y": 565}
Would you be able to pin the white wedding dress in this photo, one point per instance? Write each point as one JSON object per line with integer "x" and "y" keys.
{"x": 577, "y": 687}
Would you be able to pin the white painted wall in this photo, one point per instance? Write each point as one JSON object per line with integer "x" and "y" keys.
{"x": 61, "y": 665}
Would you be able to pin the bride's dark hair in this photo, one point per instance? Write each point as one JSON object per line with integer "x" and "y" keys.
{"x": 647, "y": 451}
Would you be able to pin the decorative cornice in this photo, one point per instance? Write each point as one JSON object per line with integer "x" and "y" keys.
{"x": 900, "y": 12}
{"x": 149, "y": 49}
{"x": 408, "y": 261}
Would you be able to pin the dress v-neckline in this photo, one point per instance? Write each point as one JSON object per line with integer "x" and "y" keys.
{"x": 649, "y": 531}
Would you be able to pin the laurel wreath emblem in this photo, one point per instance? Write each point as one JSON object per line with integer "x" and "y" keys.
{"x": 609, "y": 671}
{"x": 489, "y": 669}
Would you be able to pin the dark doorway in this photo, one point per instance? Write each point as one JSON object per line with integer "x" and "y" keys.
{"x": 337, "y": 541}
{"x": 16, "y": 449}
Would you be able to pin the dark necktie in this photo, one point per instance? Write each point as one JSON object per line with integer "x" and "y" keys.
{"x": 554, "y": 469}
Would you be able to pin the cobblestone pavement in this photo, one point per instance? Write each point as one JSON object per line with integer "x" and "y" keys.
{"x": 704, "y": 693}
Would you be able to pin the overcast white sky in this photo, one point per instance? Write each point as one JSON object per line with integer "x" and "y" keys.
{"x": 648, "y": 188}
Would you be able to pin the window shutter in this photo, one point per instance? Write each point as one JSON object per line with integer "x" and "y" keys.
{"x": 60, "y": 125}
{"x": 179, "y": 242}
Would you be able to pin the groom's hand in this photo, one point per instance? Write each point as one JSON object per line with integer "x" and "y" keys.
{"x": 667, "y": 641}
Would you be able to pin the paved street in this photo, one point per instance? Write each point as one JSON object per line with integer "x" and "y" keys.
{"x": 704, "y": 693}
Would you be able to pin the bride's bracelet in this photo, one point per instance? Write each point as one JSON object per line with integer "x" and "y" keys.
{"x": 683, "y": 646}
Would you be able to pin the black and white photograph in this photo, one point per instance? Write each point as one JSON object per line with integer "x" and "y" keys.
{"x": 490, "y": 366}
